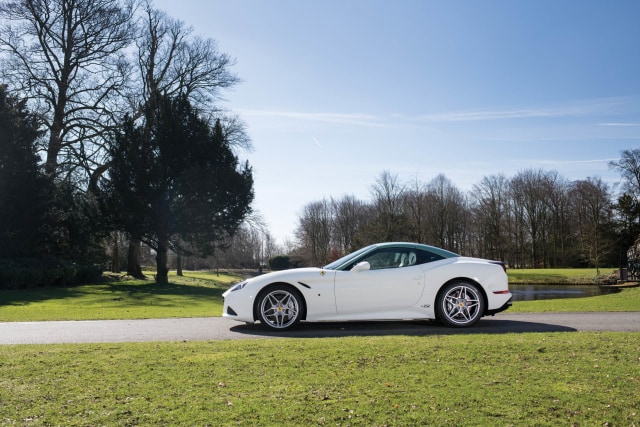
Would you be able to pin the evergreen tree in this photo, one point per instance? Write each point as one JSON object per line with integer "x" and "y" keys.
{"x": 175, "y": 179}
{"x": 23, "y": 189}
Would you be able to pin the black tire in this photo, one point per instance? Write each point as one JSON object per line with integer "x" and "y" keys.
{"x": 280, "y": 307}
{"x": 460, "y": 304}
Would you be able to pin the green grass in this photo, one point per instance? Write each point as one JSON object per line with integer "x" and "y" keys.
{"x": 558, "y": 275}
{"x": 537, "y": 379}
{"x": 541, "y": 379}
{"x": 198, "y": 294}
{"x": 628, "y": 299}
{"x": 195, "y": 295}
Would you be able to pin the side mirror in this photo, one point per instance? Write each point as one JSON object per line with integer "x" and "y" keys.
{"x": 361, "y": 266}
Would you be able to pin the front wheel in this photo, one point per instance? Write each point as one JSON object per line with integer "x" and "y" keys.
{"x": 460, "y": 304}
{"x": 280, "y": 308}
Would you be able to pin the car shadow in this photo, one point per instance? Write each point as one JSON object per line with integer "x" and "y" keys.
{"x": 391, "y": 328}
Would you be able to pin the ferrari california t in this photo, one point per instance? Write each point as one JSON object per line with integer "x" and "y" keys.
{"x": 385, "y": 281}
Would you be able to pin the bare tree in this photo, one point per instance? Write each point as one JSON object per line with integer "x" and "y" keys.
{"x": 172, "y": 61}
{"x": 491, "y": 208}
{"x": 389, "y": 223}
{"x": 255, "y": 236}
{"x": 528, "y": 194}
{"x": 517, "y": 246}
{"x": 536, "y": 218}
{"x": 245, "y": 249}
{"x": 592, "y": 204}
{"x": 629, "y": 168}
{"x": 314, "y": 231}
{"x": 558, "y": 232}
{"x": 416, "y": 200}
{"x": 349, "y": 215}
{"x": 67, "y": 57}
{"x": 447, "y": 213}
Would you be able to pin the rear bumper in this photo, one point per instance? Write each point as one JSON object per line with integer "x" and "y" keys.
{"x": 505, "y": 306}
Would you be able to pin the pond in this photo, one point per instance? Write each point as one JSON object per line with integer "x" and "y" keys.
{"x": 538, "y": 292}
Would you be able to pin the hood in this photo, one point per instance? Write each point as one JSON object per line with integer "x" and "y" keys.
{"x": 294, "y": 272}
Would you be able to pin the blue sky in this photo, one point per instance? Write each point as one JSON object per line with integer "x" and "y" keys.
{"x": 335, "y": 92}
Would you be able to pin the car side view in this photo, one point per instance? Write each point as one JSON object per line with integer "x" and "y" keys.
{"x": 384, "y": 281}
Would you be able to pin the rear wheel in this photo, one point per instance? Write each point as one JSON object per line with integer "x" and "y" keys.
{"x": 280, "y": 307}
{"x": 460, "y": 304}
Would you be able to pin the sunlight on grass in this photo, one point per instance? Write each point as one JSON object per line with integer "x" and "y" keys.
{"x": 557, "y": 275}
{"x": 197, "y": 295}
{"x": 628, "y": 299}
{"x": 541, "y": 379}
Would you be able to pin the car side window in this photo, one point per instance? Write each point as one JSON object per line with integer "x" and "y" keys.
{"x": 424, "y": 257}
{"x": 391, "y": 258}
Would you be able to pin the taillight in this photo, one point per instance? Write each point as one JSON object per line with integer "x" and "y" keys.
{"x": 501, "y": 292}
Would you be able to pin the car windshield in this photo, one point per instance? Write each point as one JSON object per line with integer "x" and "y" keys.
{"x": 347, "y": 258}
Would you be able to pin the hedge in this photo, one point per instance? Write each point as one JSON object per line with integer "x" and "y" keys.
{"x": 27, "y": 273}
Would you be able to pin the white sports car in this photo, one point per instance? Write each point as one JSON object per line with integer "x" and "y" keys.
{"x": 386, "y": 281}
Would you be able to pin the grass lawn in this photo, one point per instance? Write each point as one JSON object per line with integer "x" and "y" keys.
{"x": 537, "y": 379}
{"x": 199, "y": 295}
{"x": 628, "y": 299}
{"x": 558, "y": 275}
{"x": 194, "y": 295}
{"x": 529, "y": 379}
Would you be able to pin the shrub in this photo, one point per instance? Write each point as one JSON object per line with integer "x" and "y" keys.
{"x": 10, "y": 273}
{"x": 280, "y": 262}
{"x": 26, "y": 273}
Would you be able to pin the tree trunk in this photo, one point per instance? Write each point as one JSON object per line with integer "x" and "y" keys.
{"x": 115, "y": 253}
{"x": 162, "y": 274}
{"x": 179, "y": 266}
{"x": 53, "y": 149}
{"x": 133, "y": 259}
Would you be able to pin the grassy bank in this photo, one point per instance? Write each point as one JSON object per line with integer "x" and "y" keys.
{"x": 628, "y": 299}
{"x": 559, "y": 275}
{"x": 513, "y": 379}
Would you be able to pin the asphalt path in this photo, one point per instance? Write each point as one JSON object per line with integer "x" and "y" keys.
{"x": 218, "y": 328}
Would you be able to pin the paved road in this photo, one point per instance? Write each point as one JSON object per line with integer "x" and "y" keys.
{"x": 217, "y": 328}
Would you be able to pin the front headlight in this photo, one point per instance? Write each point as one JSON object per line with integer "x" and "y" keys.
{"x": 238, "y": 286}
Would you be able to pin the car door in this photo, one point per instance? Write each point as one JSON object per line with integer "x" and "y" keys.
{"x": 391, "y": 283}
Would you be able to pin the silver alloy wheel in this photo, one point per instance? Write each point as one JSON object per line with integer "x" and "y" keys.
{"x": 460, "y": 304}
{"x": 279, "y": 309}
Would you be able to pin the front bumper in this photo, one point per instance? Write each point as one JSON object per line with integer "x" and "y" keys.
{"x": 238, "y": 307}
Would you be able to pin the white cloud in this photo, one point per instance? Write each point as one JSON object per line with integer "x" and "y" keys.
{"x": 614, "y": 124}
{"x": 596, "y": 106}
{"x": 591, "y": 107}
{"x": 336, "y": 118}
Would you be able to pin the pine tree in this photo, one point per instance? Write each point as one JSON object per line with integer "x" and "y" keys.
{"x": 176, "y": 180}
{"x": 23, "y": 189}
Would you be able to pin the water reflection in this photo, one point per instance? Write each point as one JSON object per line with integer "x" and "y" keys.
{"x": 539, "y": 292}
